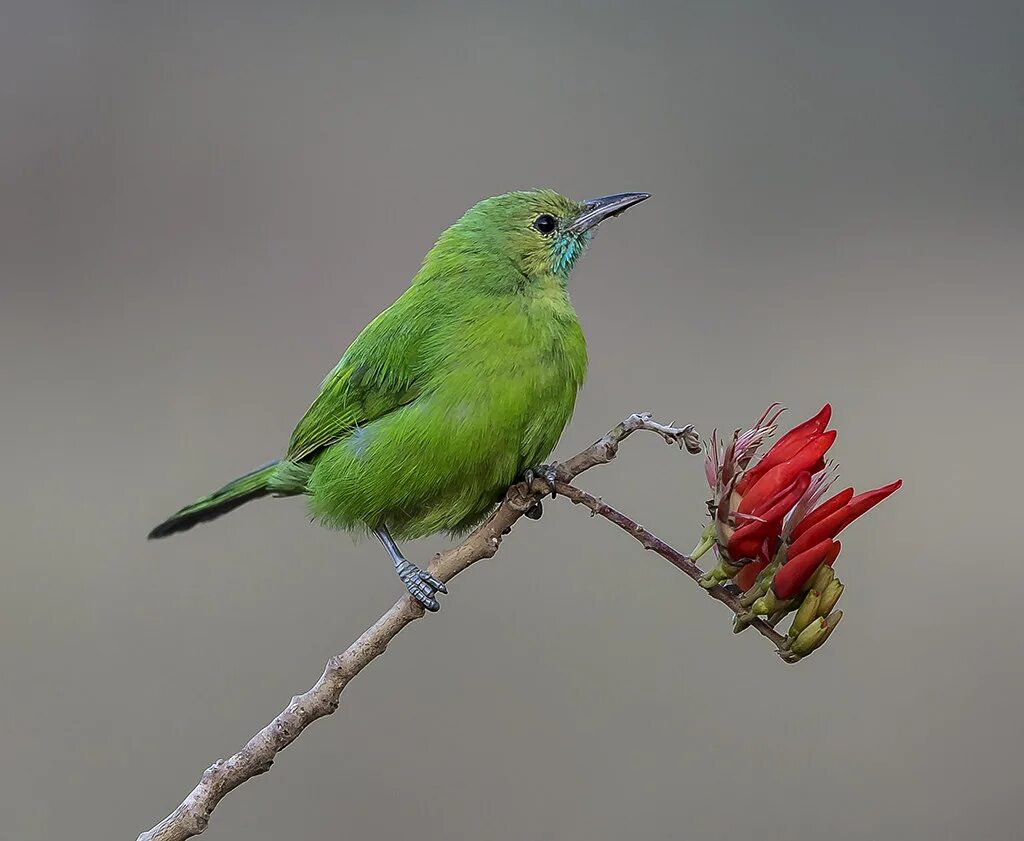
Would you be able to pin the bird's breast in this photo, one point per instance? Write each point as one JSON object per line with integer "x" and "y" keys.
{"x": 536, "y": 338}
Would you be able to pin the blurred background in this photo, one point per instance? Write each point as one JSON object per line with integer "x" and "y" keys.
{"x": 200, "y": 206}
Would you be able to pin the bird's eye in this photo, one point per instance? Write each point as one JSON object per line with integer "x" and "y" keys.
{"x": 545, "y": 223}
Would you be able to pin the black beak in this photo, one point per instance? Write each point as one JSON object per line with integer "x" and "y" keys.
{"x": 597, "y": 210}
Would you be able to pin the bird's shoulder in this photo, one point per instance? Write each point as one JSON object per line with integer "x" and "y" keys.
{"x": 384, "y": 368}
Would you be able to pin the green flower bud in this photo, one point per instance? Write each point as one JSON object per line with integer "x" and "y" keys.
{"x": 831, "y": 620}
{"x": 722, "y": 572}
{"x": 761, "y": 584}
{"x": 806, "y": 613}
{"x": 822, "y": 578}
{"x": 766, "y": 605}
{"x": 814, "y": 635}
{"x": 829, "y": 596}
{"x": 810, "y": 638}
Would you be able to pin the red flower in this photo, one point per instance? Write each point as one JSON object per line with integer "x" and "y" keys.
{"x": 773, "y": 481}
{"x": 769, "y": 490}
{"x": 775, "y": 540}
{"x": 829, "y": 506}
{"x": 766, "y": 512}
{"x": 797, "y": 571}
{"x": 835, "y": 514}
{"x": 787, "y": 447}
{"x": 812, "y": 541}
{"x": 746, "y": 577}
{"x": 765, "y": 521}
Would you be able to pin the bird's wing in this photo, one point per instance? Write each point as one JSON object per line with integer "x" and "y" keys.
{"x": 381, "y": 371}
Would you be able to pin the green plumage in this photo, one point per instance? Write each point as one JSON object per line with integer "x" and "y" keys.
{"x": 449, "y": 394}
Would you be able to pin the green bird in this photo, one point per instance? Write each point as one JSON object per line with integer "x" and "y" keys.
{"x": 456, "y": 391}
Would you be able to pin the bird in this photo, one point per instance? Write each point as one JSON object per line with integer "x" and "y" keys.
{"x": 457, "y": 390}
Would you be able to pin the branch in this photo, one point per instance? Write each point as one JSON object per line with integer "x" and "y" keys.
{"x": 673, "y": 556}
{"x": 256, "y": 757}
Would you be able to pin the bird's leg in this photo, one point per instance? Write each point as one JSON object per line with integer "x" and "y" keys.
{"x": 421, "y": 585}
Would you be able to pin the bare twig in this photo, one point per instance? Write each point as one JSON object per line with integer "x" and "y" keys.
{"x": 256, "y": 757}
{"x": 678, "y": 559}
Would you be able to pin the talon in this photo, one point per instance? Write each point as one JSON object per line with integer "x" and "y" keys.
{"x": 551, "y": 476}
{"x": 547, "y": 472}
{"x": 433, "y": 582}
{"x": 426, "y": 601}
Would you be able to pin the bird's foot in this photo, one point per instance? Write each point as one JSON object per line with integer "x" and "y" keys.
{"x": 421, "y": 585}
{"x": 547, "y": 472}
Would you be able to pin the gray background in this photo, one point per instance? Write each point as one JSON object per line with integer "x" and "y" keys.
{"x": 200, "y": 206}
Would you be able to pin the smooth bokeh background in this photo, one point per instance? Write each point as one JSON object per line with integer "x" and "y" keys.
{"x": 200, "y": 206}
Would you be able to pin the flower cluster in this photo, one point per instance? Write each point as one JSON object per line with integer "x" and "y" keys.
{"x": 774, "y": 536}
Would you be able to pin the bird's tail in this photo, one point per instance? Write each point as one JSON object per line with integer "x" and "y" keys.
{"x": 243, "y": 489}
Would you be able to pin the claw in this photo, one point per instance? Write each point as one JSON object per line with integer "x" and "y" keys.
{"x": 433, "y": 582}
{"x": 547, "y": 472}
{"x": 551, "y": 476}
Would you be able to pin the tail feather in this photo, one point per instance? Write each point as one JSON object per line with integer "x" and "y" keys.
{"x": 234, "y": 494}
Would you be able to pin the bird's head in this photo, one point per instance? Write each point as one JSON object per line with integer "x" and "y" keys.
{"x": 539, "y": 232}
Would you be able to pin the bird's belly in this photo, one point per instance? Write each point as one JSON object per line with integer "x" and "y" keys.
{"x": 441, "y": 462}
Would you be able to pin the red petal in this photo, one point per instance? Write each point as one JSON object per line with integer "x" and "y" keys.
{"x": 746, "y": 577}
{"x": 829, "y": 506}
{"x": 833, "y": 553}
{"x": 834, "y": 523}
{"x": 799, "y": 568}
{"x": 787, "y": 446}
{"x": 747, "y": 546}
{"x": 748, "y": 539}
{"x": 776, "y": 479}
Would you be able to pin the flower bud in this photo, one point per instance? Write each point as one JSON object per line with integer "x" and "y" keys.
{"x": 829, "y": 596}
{"x": 720, "y": 573}
{"x": 753, "y": 594}
{"x": 822, "y": 578}
{"x": 806, "y": 613}
{"x": 809, "y": 638}
{"x": 831, "y": 621}
{"x": 769, "y": 604}
{"x": 814, "y": 635}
